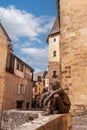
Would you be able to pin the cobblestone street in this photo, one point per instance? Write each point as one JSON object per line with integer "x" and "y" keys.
{"x": 79, "y": 127}
{"x": 79, "y": 122}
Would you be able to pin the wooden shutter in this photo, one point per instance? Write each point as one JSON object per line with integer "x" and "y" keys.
{"x": 19, "y": 89}
{"x": 23, "y": 89}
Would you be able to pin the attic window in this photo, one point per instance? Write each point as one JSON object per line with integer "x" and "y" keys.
{"x": 54, "y": 39}
{"x": 20, "y": 66}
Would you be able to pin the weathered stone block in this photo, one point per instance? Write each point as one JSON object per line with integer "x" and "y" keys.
{"x": 14, "y": 118}
{"x": 51, "y": 122}
{"x": 17, "y": 120}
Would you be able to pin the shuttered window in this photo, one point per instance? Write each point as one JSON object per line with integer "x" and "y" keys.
{"x": 21, "y": 89}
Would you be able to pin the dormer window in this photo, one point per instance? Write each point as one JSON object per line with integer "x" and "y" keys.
{"x": 20, "y": 66}
{"x": 54, "y": 53}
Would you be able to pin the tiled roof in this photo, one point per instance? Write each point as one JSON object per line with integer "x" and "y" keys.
{"x": 22, "y": 61}
{"x": 55, "y": 28}
{"x": 43, "y": 74}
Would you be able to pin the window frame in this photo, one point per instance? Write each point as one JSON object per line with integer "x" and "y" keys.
{"x": 54, "y": 75}
{"x": 20, "y": 66}
{"x": 21, "y": 89}
{"x": 54, "y": 39}
{"x": 54, "y": 53}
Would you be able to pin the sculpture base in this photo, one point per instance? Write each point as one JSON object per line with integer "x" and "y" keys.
{"x": 33, "y": 120}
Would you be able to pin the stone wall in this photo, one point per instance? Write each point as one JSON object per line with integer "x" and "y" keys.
{"x": 73, "y": 49}
{"x": 14, "y": 118}
{"x": 23, "y": 120}
{"x": 3, "y": 56}
{"x": 54, "y": 66}
{"x": 11, "y": 91}
{"x": 54, "y": 46}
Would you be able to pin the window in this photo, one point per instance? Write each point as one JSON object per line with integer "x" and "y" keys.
{"x": 21, "y": 89}
{"x": 44, "y": 82}
{"x": 54, "y": 74}
{"x": 54, "y": 53}
{"x": 19, "y": 104}
{"x": 31, "y": 76}
{"x": 20, "y": 66}
{"x": 27, "y": 105}
{"x": 10, "y": 63}
{"x": 38, "y": 78}
{"x": 54, "y": 39}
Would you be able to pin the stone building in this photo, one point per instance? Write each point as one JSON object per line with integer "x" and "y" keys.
{"x": 54, "y": 57}
{"x": 41, "y": 84}
{"x": 16, "y": 77}
{"x": 73, "y": 48}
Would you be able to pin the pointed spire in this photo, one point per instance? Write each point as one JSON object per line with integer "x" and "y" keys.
{"x": 55, "y": 28}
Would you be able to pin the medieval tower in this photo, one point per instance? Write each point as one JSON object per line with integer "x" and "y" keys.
{"x": 54, "y": 57}
{"x": 73, "y": 48}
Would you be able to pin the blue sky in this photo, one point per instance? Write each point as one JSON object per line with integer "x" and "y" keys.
{"x": 28, "y": 23}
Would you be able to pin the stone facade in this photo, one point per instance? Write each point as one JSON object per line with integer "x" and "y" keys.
{"x": 73, "y": 49}
{"x": 3, "y": 54}
{"x": 54, "y": 46}
{"x": 15, "y": 77}
{"x": 54, "y": 67}
{"x": 41, "y": 83}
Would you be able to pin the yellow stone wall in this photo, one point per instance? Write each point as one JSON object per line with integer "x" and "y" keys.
{"x": 11, "y": 91}
{"x": 9, "y": 81}
{"x": 3, "y": 55}
{"x": 73, "y": 49}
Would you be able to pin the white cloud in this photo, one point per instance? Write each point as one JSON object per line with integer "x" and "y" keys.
{"x": 37, "y": 56}
{"x": 39, "y": 70}
{"x": 20, "y": 23}
{"x": 35, "y": 39}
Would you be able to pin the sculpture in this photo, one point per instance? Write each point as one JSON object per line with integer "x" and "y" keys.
{"x": 55, "y": 101}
